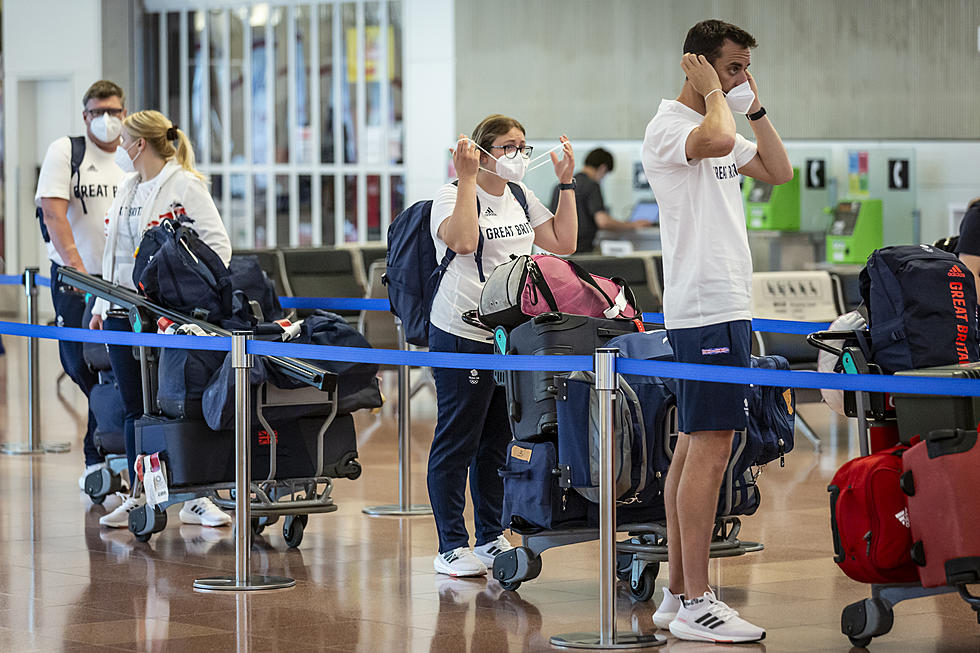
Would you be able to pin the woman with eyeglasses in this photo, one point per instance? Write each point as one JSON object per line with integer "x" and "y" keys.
{"x": 164, "y": 185}
{"x": 485, "y": 216}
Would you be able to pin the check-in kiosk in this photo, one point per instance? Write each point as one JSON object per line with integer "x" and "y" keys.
{"x": 774, "y": 208}
{"x": 855, "y": 231}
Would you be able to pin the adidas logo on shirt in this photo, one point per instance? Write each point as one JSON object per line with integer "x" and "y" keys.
{"x": 92, "y": 168}
{"x": 955, "y": 271}
{"x": 489, "y": 211}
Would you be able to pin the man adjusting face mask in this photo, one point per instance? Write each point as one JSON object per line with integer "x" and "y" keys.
{"x": 740, "y": 98}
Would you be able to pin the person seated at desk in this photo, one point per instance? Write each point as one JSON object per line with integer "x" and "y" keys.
{"x": 592, "y": 212}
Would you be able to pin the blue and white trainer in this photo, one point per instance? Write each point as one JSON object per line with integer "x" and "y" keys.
{"x": 487, "y": 552}
{"x": 459, "y": 562}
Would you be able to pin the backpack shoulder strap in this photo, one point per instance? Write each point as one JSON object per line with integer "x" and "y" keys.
{"x": 518, "y": 193}
{"x": 478, "y": 254}
{"x": 77, "y": 154}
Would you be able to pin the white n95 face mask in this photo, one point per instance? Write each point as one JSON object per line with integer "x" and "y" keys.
{"x": 740, "y": 98}
{"x": 106, "y": 128}
{"x": 511, "y": 169}
{"x": 123, "y": 160}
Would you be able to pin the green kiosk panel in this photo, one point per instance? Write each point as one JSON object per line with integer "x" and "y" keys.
{"x": 771, "y": 207}
{"x": 855, "y": 231}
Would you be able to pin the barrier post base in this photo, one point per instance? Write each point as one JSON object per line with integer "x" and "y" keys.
{"x": 415, "y": 509}
{"x": 251, "y": 583}
{"x": 594, "y": 641}
{"x": 25, "y": 449}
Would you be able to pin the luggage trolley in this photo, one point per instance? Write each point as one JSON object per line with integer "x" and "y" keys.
{"x": 878, "y": 421}
{"x": 197, "y": 455}
{"x": 639, "y": 556}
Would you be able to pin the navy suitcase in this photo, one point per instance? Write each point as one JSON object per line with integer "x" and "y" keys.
{"x": 531, "y": 395}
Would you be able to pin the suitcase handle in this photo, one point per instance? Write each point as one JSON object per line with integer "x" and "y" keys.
{"x": 839, "y": 556}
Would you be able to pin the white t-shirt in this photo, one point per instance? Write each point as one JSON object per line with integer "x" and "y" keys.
{"x": 99, "y": 177}
{"x": 707, "y": 263}
{"x": 505, "y": 230}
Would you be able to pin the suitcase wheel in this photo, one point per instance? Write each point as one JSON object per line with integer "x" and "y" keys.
{"x": 512, "y": 567}
{"x": 907, "y": 483}
{"x": 866, "y": 619}
{"x": 919, "y": 554}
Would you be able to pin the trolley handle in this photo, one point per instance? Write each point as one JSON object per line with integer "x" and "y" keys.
{"x": 472, "y": 317}
{"x": 819, "y": 338}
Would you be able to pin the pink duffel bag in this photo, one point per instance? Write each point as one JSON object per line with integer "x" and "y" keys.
{"x": 527, "y": 286}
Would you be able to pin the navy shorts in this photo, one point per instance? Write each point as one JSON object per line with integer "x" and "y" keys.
{"x": 705, "y": 405}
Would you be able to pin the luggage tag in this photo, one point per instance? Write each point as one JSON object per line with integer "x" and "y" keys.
{"x": 154, "y": 477}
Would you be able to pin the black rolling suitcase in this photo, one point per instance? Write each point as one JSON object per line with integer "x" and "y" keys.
{"x": 531, "y": 395}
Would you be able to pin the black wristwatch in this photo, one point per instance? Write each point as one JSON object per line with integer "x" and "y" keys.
{"x": 758, "y": 114}
{"x": 569, "y": 186}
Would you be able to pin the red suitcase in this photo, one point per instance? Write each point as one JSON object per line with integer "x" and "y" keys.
{"x": 872, "y": 540}
{"x": 942, "y": 478}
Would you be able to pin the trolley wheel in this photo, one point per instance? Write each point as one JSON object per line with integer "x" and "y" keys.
{"x": 866, "y": 619}
{"x": 292, "y": 529}
{"x": 98, "y": 499}
{"x": 642, "y": 588}
{"x": 510, "y": 586}
{"x": 257, "y": 526}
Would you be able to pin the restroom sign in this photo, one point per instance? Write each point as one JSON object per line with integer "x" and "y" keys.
{"x": 898, "y": 174}
{"x": 816, "y": 173}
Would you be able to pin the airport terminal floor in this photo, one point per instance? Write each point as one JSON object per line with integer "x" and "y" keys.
{"x": 367, "y": 584}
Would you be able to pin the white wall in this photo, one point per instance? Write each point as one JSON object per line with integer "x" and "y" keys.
{"x": 52, "y": 54}
{"x": 430, "y": 95}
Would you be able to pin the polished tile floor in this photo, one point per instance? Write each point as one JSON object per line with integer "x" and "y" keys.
{"x": 366, "y": 583}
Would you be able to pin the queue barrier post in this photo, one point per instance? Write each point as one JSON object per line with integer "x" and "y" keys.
{"x": 607, "y": 638}
{"x": 405, "y": 507}
{"x": 242, "y": 580}
{"x": 33, "y": 446}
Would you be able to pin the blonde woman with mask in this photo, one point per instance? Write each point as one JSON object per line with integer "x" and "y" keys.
{"x": 163, "y": 185}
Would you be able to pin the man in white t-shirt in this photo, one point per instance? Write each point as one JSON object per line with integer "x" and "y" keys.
{"x": 693, "y": 157}
{"x": 72, "y": 210}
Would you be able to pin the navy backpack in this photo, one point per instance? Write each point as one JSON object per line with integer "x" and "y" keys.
{"x": 176, "y": 269}
{"x": 922, "y": 304}
{"x": 412, "y": 274}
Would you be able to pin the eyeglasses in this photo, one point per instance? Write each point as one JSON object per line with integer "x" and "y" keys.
{"x": 510, "y": 151}
{"x": 95, "y": 113}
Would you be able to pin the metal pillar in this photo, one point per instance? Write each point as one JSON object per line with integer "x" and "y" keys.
{"x": 242, "y": 580}
{"x": 33, "y": 445}
{"x": 405, "y": 508}
{"x": 606, "y": 638}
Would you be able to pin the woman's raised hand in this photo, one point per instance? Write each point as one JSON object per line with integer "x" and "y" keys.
{"x": 466, "y": 158}
{"x": 565, "y": 166}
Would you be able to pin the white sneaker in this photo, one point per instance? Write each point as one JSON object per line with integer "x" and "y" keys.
{"x": 203, "y": 511}
{"x": 459, "y": 562}
{"x": 706, "y": 619}
{"x": 667, "y": 610}
{"x": 487, "y": 552}
{"x": 119, "y": 518}
{"x": 88, "y": 470}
